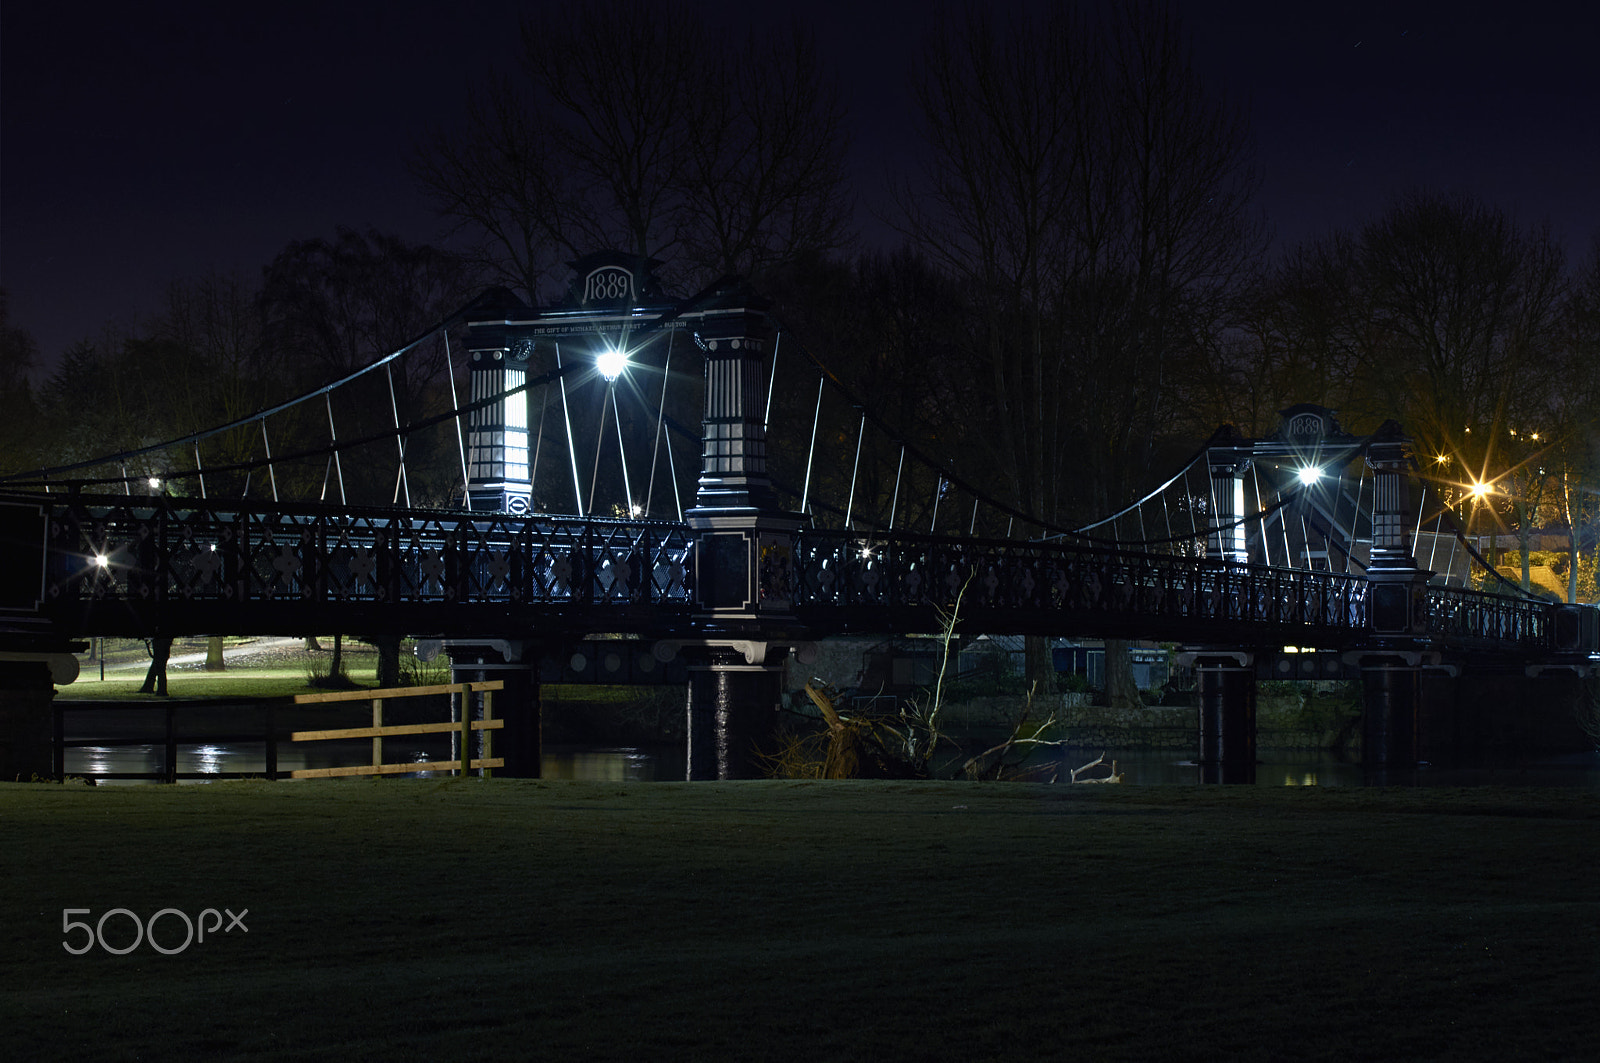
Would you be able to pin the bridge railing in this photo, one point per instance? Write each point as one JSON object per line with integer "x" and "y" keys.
{"x": 164, "y": 552}
{"x": 1477, "y": 617}
{"x": 171, "y": 550}
{"x": 842, "y": 570}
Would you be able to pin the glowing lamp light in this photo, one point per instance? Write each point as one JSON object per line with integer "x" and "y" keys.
{"x": 102, "y": 561}
{"x": 1309, "y": 475}
{"x": 155, "y": 483}
{"x": 611, "y": 363}
{"x": 636, "y": 510}
{"x": 1480, "y": 490}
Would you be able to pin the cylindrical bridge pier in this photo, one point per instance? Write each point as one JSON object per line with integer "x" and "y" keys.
{"x": 1225, "y": 682}
{"x": 1391, "y": 734}
{"x": 732, "y": 710}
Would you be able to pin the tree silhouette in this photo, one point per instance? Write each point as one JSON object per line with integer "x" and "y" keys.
{"x": 644, "y": 129}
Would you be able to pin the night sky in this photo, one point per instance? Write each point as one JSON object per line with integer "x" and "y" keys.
{"x": 147, "y": 142}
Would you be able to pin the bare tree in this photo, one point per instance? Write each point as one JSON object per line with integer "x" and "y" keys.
{"x": 1465, "y": 306}
{"x": 1574, "y": 424}
{"x": 638, "y": 128}
{"x": 19, "y": 353}
{"x": 495, "y": 181}
{"x": 330, "y": 307}
{"x": 216, "y": 319}
{"x": 764, "y": 172}
{"x": 1091, "y": 199}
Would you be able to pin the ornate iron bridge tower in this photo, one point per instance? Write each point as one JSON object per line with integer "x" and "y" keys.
{"x": 741, "y": 541}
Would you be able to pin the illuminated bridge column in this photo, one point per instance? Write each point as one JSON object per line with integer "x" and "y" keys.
{"x": 1225, "y": 682}
{"x": 1227, "y": 460}
{"x": 1397, "y": 614}
{"x": 743, "y": 551}
{"x": 497, "y": 435}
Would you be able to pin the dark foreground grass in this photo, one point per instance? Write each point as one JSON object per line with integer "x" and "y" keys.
{"x": 806, "y": 921}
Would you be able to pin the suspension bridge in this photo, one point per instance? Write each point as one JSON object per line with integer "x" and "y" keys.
{"x": 586, "y": 509}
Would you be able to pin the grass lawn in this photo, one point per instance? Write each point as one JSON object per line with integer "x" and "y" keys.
{"x": 805, "y": 921}
{"x": 282, "y": 673}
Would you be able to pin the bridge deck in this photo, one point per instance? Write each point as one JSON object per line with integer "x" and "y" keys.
{"x": 133, "y": 566}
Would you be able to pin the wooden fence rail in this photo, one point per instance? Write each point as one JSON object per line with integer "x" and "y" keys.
{"x": 460, "y": 694}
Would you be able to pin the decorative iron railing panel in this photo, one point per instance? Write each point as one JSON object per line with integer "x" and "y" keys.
{"x": 150, "y": 551}
{"x": 1053, "y": 583}
{"x": 137, "y": 564}
{"x": 1476, "y": 618}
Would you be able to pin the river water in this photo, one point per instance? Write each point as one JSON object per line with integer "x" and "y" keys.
{"x": 653, "y": 763}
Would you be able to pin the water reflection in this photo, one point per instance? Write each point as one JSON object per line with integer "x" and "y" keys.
{"x": 626, "y": 764}
{"x": 666, "y": 763}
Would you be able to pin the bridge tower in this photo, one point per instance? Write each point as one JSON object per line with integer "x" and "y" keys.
{"x": 498, "y": 472}
{"x": 1391, "y": 662}
{"x": 1227, "y": 460}
{"x": 611, "y": 296}
{"x": 744, "y": 546}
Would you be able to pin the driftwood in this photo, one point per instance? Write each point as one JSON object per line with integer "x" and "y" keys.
{"x": 980, "y": 766}
{"x": 862, "y": 747}
{"x": 857, "y": 747}
{"x": 1115, "y": 776}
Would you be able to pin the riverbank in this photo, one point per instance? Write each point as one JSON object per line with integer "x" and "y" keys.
{"x": 774, "y": 920}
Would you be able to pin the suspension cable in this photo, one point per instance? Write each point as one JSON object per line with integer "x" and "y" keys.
{"x": 455, "y": 404}
{"x": 400, "y": 441}
{"x": 272, "y": 474}
{"x": 894, "y": 503}
{"x": 572, "y": 447}
{"x": 1361, "y": 489}
{"x": 772, "y": 378}
{"x": 805, "y": 491}
{"x": 599, "y": 441}
{"x": 538, "y": 443}
{"x": 622, "y": 456}
{"x": 661, "y": 414}
{"x": 333, "y": 436}
{"x": 849, "y": 507}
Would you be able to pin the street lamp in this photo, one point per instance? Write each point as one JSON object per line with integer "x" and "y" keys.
{"x": 611, "y": 362}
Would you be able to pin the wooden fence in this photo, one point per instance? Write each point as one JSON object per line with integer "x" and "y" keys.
{"x": 166, "y": 735}
{"x": 460, "y": 694}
